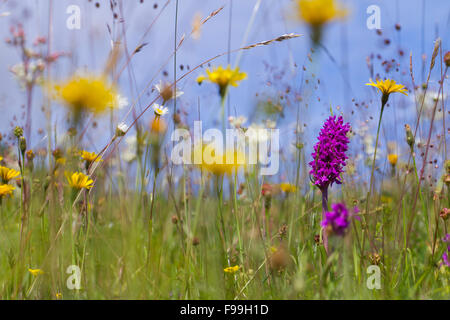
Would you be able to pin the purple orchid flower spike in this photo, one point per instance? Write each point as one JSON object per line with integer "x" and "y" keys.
{"x": 329, "y": 160}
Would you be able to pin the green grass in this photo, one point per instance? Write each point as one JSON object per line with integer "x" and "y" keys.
{"x": 110, "y": 245}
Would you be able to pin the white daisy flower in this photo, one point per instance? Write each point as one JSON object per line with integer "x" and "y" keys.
{"x": 160, "y": 110}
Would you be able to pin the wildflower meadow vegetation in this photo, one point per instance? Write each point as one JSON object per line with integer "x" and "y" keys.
{"x": 175, "y": 149}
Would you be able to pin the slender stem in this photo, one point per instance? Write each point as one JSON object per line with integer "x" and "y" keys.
{"x": 324, "y": 211}
{"x": 150, "y": 224}
{"x": 383, "y": 103}
{"x": 375, "y": 154}
{"x": 175, "y": 64}
{"x": 222, "y": 112}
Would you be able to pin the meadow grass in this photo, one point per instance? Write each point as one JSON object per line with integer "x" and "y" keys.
{"x": 275, "y": 247}
{"x": 144, "y": 228}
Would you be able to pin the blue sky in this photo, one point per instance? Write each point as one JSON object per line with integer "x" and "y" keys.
{"x": 348, "y": 43}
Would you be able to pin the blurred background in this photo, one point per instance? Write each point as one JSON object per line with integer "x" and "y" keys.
{"x": 301, "y": 84}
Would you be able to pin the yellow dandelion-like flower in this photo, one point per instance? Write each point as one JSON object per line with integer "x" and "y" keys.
{"x": 58, "y": 295}
{"x": 90, "y": 156}
{"x": 86, "y": 93}
{"x": 287, "y": 187}
{"x": 392, "y": 158}
{"x": 319, "y": 12}
{"x": 228, "y": 162}
{"x": 35, "y": 272}
{"x": 1, "y": 158}
{"x": 6, "y": 190}
{"x": 387, "y": 87}
{"x": 79, "y": 180}
{"x": 231, "y": 269}
{"x": 6, "y": 174}
{"x": 223, "y": 77}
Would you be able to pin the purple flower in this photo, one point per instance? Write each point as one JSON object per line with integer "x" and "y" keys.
{"x": 445, "y": 258}
{"x": 446, "y": 239}
{"x": 329, "y": 153}
{"x": 339, "y": 218}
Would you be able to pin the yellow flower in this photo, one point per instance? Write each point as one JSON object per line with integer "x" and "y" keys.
{"x": 1, "y": 158}
{"x": 223, "y": 77}
{"x": 61, "y": 161}
{"x": 58, "y": 295}
{"x": 392, "y": 158}
{"x": 231, "y": 269}
{"x": 90, "y": 156}
{"x": 319, "y": 12}
{"x": 228, "y": 162}
{"x": 79, "y": 180}
{"x": 287, "y": 187}
{"x": 36, "y": 272}
{"x": 387, "y": 87}
{"x": 7, "y": 174}
{"x": 6, "y": 189}
{"x": 158, "y": 125}
{"x": 89, "y": 93}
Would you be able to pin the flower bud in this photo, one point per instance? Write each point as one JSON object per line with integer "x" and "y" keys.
{"x": 409, "y": 136}
{"x": 23, "y": 144}
{"x": 18, "y": 131}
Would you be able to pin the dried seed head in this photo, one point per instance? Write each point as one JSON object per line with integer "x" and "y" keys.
{"x": 375, "y": 258}
{"x": 283, "y": 230}
{"x": 437, "y": 45}
{"x": 447, "y": 59}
